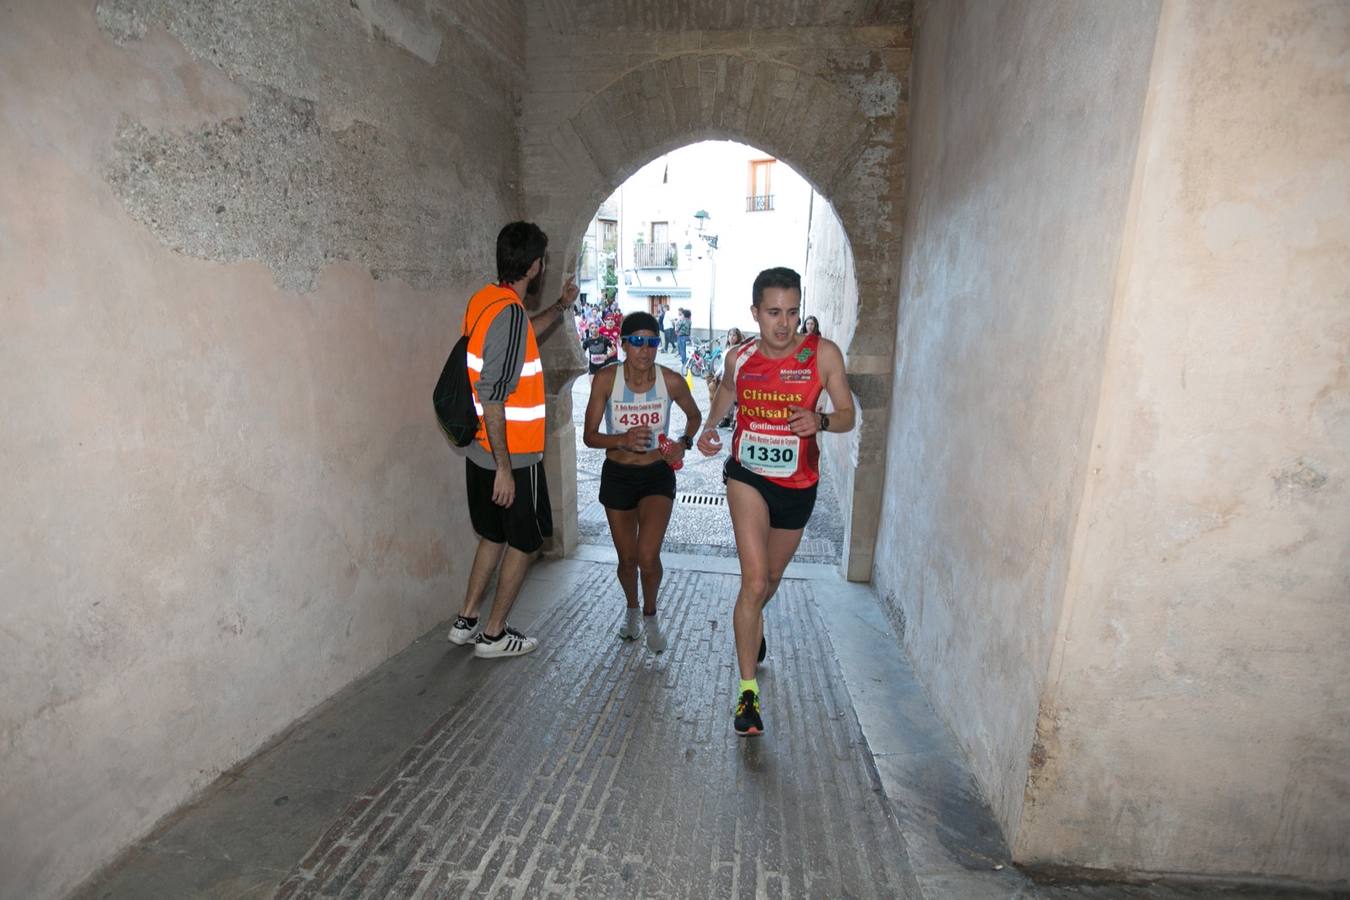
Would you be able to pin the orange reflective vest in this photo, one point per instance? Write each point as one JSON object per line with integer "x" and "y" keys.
{"x": 525, "y": 406}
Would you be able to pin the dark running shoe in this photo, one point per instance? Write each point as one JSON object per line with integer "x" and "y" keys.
{"x": 748, "y": 722}
{"x": 763, "y": 650}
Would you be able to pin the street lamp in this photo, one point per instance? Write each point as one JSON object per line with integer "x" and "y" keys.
{"x": 711, "y": 240}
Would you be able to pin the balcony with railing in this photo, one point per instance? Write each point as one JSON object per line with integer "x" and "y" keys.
{"x": 655, "y": 256}
{"x": 759, "y": 203}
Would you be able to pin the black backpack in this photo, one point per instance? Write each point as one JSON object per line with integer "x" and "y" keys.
{"x": 453, "y": 397}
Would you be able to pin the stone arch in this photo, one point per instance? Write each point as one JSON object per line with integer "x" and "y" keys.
{"x": 661, "y": 106}
{"x": 809, "y": 121}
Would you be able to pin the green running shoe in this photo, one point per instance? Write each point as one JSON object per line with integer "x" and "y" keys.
{"x": 748, "y": 722}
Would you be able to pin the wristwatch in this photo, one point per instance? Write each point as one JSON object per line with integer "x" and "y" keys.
{"x": 824, "y": 422}
{"x": 688, "y": 441}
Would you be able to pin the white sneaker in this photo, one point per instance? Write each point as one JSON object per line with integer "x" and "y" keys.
{"x": 631, "y": 629}
{"x": 656, "y": 638}
{"x": 511, "y": 643}
{"x": 463, "y": 632}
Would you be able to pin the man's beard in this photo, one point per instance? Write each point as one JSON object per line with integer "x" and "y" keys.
{"x": 535, "y": 286}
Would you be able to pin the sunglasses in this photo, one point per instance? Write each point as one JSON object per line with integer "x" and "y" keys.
{"x": 638, "y": 340}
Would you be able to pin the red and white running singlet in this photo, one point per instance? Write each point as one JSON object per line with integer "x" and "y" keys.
{"x": 766, "y": 389}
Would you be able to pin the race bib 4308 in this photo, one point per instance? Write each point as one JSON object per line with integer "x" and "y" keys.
{"x": 770, "y": 455}
{"x": 627, "y": 416}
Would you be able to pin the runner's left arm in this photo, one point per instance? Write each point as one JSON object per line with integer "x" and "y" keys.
{"x": 834, "y": 381}
{"x": 833, "y": 378}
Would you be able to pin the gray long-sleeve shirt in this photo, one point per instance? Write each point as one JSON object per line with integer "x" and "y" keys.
{"x": 503, "y": 358}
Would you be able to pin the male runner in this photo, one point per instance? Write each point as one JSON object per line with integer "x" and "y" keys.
{"x": 774, "y": 468}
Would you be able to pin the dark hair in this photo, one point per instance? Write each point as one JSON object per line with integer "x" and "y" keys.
{"x": 519, "y": 244}
{"x": 778, "y": 277}
{"x": 638, "y": 321}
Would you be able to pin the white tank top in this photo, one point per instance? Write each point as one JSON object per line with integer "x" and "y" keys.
{"x": 626, "y": 410}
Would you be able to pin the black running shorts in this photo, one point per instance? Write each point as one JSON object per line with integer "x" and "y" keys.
{"x": 622, "y": 486}
{"x": 525, "y": 523}
{"x": 789, "y": 508}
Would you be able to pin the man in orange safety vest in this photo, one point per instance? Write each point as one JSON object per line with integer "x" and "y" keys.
{"x": 504, "y": 470}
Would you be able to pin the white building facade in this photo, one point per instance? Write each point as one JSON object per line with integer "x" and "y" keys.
{"x": 693, "y": 228}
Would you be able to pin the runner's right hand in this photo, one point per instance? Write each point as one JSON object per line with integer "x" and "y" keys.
{"x": 710, "y": 442}
{"x": 637, "y": 440}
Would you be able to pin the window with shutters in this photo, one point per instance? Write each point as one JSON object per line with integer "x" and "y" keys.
{"x": 759, "y": 193}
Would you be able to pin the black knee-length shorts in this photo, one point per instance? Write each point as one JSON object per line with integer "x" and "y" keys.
{"x": 525, "y": 523}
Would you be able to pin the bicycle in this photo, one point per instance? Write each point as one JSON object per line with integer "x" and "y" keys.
{"x": 704, "y": 360}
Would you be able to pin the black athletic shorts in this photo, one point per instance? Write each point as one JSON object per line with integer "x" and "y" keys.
{"x": 622, "y": 485}
{"x": 789, "y": 508}
{"x": 525, "y": 523}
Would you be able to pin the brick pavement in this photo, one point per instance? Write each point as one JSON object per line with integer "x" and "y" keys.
{"x": 594, "y": 768}
{"x": 639, "y": 788}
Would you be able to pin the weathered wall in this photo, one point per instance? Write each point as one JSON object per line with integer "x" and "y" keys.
{"x": 1023, "y": 130}
{"x": 1197, "y": 716}
{"x": 234, "y": 243}
{"x": 822, "y": 86}
{"x": 830, "y": 293}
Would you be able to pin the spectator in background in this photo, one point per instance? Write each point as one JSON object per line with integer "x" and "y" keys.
{"x": 683, "y": 326}
{"x": 810, "y": 326}
{"x": 733, "y": 338}
{"x": 581, "y": 320}
{"x": 661, "y": 310}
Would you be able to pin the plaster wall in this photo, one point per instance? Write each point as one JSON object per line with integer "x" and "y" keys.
{"x": 234, "y": 246}
{"x": 1024, "y": 124}
{"x": 1197, "y": 715}
{"x": 830, "y": 293}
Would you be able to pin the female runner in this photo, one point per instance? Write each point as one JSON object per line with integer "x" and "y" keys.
{"x": 637, "y": 481}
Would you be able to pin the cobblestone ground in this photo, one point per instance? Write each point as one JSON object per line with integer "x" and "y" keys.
{"x": 699, "y": 523}
{"x": 594, "y": 768}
